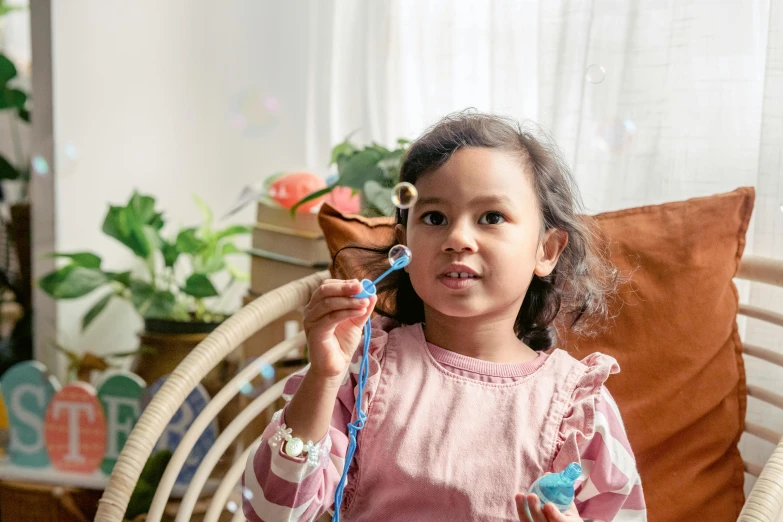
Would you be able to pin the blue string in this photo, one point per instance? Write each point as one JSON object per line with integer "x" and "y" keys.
{"x": 354, "y": 427}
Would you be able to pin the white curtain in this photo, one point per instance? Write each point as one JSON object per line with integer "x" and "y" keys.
{"x": 650, "y": 100}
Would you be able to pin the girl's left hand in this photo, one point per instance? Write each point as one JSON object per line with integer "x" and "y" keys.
{"x": 548, "y": 514}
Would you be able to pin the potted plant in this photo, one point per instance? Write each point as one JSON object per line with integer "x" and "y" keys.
{"x": 15, "y": 280}
{"x": 172, "y": 289}
{"x": 373, "y": 171}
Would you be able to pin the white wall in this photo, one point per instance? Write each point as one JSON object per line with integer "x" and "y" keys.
{"x": 143, "y": 92}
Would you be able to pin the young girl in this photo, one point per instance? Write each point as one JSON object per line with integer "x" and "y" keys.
{"x": 467, "y": 402}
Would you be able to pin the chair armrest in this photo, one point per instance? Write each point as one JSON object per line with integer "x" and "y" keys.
{"x": 765, "y": 502}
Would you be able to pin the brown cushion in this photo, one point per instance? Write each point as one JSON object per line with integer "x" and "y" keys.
{"x": 682, "y": 389}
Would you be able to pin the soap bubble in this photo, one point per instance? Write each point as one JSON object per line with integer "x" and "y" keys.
{"x": 615, "y": 135}
{"x": 253, "y": 112}
{"x": 595, "y": 73}
{"x": 247, "y": 494}
{"x": 70, "y": 151}
{"x": 397, "y": 252}
{"x": 40, "y": 166}
{"x": 232, "y": 506}
{"x": 404, "y": 195}
{"x": 258, "y": 384}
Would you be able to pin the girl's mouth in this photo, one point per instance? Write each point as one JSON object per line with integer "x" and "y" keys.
{"x": 458, "y": 280}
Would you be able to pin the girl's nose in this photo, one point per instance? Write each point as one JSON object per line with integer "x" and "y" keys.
{"x": 460, "y": 238}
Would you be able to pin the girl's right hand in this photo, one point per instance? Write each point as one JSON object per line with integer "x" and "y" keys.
{"x": 333, "y": 322}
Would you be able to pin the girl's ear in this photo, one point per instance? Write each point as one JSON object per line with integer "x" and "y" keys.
{"x": 400, "y": 234}
{"x": 552, "y": 245}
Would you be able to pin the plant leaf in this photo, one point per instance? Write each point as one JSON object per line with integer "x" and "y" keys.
{"x": 85, "y": 259}
{"x": 170, "y": 253}
{"x": 125, "y": 226}
{"x": 231, "y": 248}
{"x": 72, "y": 281}
{"x": 141, "y": 293}
{"x": 204, "y": 210}
{"x": 24, "y": 114}
{"x": 123, "y": 278}
{"x": 161, "y": 304}
{"x": 12, "y": 98}
{"x": 237, "y": 274}
{"x": 233, "y": 230}
{"x": 199, "y": 286}
{"x": 312, "y": 196}
{"x": 96, "y": 309}
{"x": 188, "y": 243}
{"x": 362, "y": 167}
{"x": 7, "y": 70}
{"x": 7, "y": 171}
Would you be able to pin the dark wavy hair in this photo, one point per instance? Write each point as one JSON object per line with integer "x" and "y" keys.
{"x": 579, "y": 287}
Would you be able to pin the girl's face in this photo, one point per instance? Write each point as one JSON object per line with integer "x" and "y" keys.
{"x": 475, "y": 235}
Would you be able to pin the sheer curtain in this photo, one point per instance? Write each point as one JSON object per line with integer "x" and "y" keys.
{"x": 650, "y": 100}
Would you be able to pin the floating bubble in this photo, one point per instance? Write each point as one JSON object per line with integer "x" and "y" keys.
{"x": 247, "y": 494}
{"x": 404, "y": 195}
{"x": 232, "y": 506}
{"x": 253, "y": 112}
{"x": 258, "y": 384}
{"x": 70, "y": 152}
{"x": 615, "y": 135}
{"x": 40, "y": 166}
{"x": 397, "y": 253}
{"x": 595, "y": 73}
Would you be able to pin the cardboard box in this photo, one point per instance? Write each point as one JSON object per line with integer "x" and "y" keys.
{"x": 269, "y": 270}
{"x": 281, "y": 218}
{"x": 305, "y": 247}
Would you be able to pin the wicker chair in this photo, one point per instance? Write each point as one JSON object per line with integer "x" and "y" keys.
{"x": 764, "y": 504}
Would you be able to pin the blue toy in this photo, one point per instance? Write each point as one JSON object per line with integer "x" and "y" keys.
{"x": 399, "y": 257}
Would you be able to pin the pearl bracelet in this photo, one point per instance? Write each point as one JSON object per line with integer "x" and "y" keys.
{"x": 294, "y": 446}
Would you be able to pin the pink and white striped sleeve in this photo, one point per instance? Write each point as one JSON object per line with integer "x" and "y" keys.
{"x": 278, "y": 487}
{"x": 593, "y": 434}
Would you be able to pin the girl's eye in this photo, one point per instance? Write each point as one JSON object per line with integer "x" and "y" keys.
{"x": 433, "y": 218}
{"x": 492, "y": 218}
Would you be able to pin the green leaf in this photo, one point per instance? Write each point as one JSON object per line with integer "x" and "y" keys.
{"x": 231, "y": 248}
{"x": 199, "y": 286}
{"x": 7, "y": 70}
{"x": 238, "y": 274}
{"x": 123, "y": 278}
{"x": 170, "y": 253}
{"x": 403, "y": 142}
{"x": 233, "y": 230}
{"x": 188, "y": 243}
{"x": 141, "y": 293}
{"x": 96, "y": 309}
{"x": 7, "y": 171}
{"x": 214, "y": 263}
{"x": 144, "y": 207}
{"x": 72, "y": 281}
{"x": 12, "y": 98}
{"x": 312, "y": 196}
{"x": 161, "y": 304}
{"x": 125, "y": 226}
{"x": 362, "y": 167}
{"x": 204, "y": 210}
{"x": 379, "y": 197}
{"x": 85, "y": 259}
{"x": 23, "y": 114}
{"x": 342, "y": 150}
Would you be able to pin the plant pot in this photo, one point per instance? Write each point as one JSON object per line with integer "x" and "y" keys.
{"x": 165, "y": 343}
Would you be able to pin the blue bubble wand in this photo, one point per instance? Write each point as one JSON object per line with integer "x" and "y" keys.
{"x": 399, "y": 256}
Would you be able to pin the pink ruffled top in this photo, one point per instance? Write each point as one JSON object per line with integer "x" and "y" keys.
{"x": 450, "y": 437}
